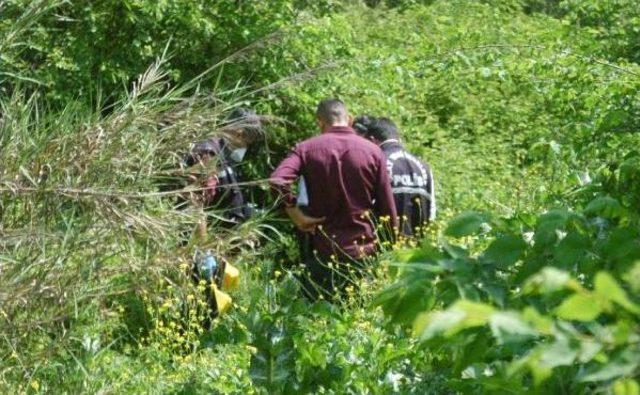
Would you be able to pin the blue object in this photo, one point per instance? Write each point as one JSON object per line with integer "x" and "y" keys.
{"x": 208, "y": 265}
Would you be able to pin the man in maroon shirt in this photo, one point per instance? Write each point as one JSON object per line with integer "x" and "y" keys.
{"x": 347, "y": 183}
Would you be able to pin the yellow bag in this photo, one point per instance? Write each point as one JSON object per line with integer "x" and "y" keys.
{"x": 223, "y": 300}
{"x": 231, "y": 277}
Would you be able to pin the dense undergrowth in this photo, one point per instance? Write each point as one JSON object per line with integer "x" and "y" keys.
{"x": 527, "y": 111}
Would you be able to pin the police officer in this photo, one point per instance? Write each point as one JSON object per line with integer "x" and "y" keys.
{"x": 411, "y": 179}
{"x": 211, "y": 167}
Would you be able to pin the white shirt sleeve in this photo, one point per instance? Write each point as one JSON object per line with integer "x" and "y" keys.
{"x": 432, "y": 191}
{"x": 303, "y": 196}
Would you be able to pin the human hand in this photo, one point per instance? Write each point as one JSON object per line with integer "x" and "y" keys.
{"x": 304, "y": 222}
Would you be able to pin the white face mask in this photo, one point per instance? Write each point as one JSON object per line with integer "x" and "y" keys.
{"x": 237, "y": 154}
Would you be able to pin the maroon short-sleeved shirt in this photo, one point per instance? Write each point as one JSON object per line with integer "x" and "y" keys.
{"x": 346, "y": 177}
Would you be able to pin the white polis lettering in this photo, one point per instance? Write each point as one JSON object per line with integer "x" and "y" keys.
{"x": 415, "y": 179}
{"x": 403, "y": 179}
{"x": 418, "y": 180}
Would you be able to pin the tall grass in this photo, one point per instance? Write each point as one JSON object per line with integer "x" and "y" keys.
{"x": 82, "y": 219}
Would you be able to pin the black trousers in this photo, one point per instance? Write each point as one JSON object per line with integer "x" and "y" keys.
{"x": 327, "y": 279}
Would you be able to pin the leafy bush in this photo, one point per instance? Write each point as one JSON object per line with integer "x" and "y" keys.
{"x": 80, "y": 49}
{"x": 549, "y": 305}
{"x": 534, "y": 289}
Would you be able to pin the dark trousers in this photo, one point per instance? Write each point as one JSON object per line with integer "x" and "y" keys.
{"x": 327, "y": 279}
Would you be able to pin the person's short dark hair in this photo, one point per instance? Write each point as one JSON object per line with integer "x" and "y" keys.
{"x": 380, "y": 129}
{"x": 246, "y": 119}
{"x": 384, "y": 129}
{"x": 332, "y": 111}
{"x": 362, "y": 124}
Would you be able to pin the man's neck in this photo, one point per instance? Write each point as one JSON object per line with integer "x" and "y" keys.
{"x": 339, "y": 125}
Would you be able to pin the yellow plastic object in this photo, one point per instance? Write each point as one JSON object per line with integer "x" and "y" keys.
{"x": 223, "y": 300}
{"x": 231, "y": 277}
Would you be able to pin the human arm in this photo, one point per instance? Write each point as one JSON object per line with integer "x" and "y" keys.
{"x": 281, "y": 180}
{"x": 302, "y": 221}
{"x": 284, "y": 176}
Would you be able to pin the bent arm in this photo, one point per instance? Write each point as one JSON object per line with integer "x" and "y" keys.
{"x": 302, "y": 221}
{"x": 284, "y": 175}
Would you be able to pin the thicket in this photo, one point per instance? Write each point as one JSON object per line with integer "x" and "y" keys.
{"x": 90, "y": 50}
{"x": 528, "y": 111}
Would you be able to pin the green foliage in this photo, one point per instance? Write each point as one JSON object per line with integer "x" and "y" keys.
{"x": 614, "y": 24}
{"x": 563, "y": 332}
{"x": 79, "y": 49}
{"x": 529, "y": 281}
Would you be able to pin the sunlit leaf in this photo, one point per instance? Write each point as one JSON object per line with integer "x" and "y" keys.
{"x": 550, "y": 280}
{"x": 558, "y": 353}
{"x": 540, "y": 322}
{"x": 621, "y": 365}
{"x": 430, "y": 325}
{"x": 582, "y": 306}
{"x": 608, "y": 288}
{"x": 509, "y": 327}
{"x": 462, "y": 315}
{"x": 626, "y": 387}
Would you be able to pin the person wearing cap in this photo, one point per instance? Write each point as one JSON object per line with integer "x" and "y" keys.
{"x": 346, "y": 182}
{"x": 212, "y": 165}
{"x": 411, "y": 179}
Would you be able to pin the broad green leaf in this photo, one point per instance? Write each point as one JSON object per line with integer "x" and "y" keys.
{"x": 549, "y": 280}
{"x": 548, "y": 223}
{"x": 582, "y": 306}
{"x": 439, "y": 323}
{"x": 540, "y": 373}
{"x": 626, "y": 387}
{"x": 571, "y": 249}
{"x": 588, "y": 350}
{"x": 416, "y": 255}
{"x": 455, "y": 252}
{"x": 606, "y": 207}
{"x": 607, "y": 287}
{"x": 506, "y": 250}
{"x": 313, "y": 354}
{"x": 466, "y": 224}
{"x": 462, "y": 315}
{"x": 545, "y": 357}
{"x": 405, "y": 299}
{"x": 621, "y": 365}
{"x": 632, "y": 277}
{"x": 622, "y": 332}
{"x": 623, "y": 245}
{"x": 510, "y": 327}
{"x": 476, "y": 313}
{"x": 558, "y": 353}
{"x": 541, "y": 323}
